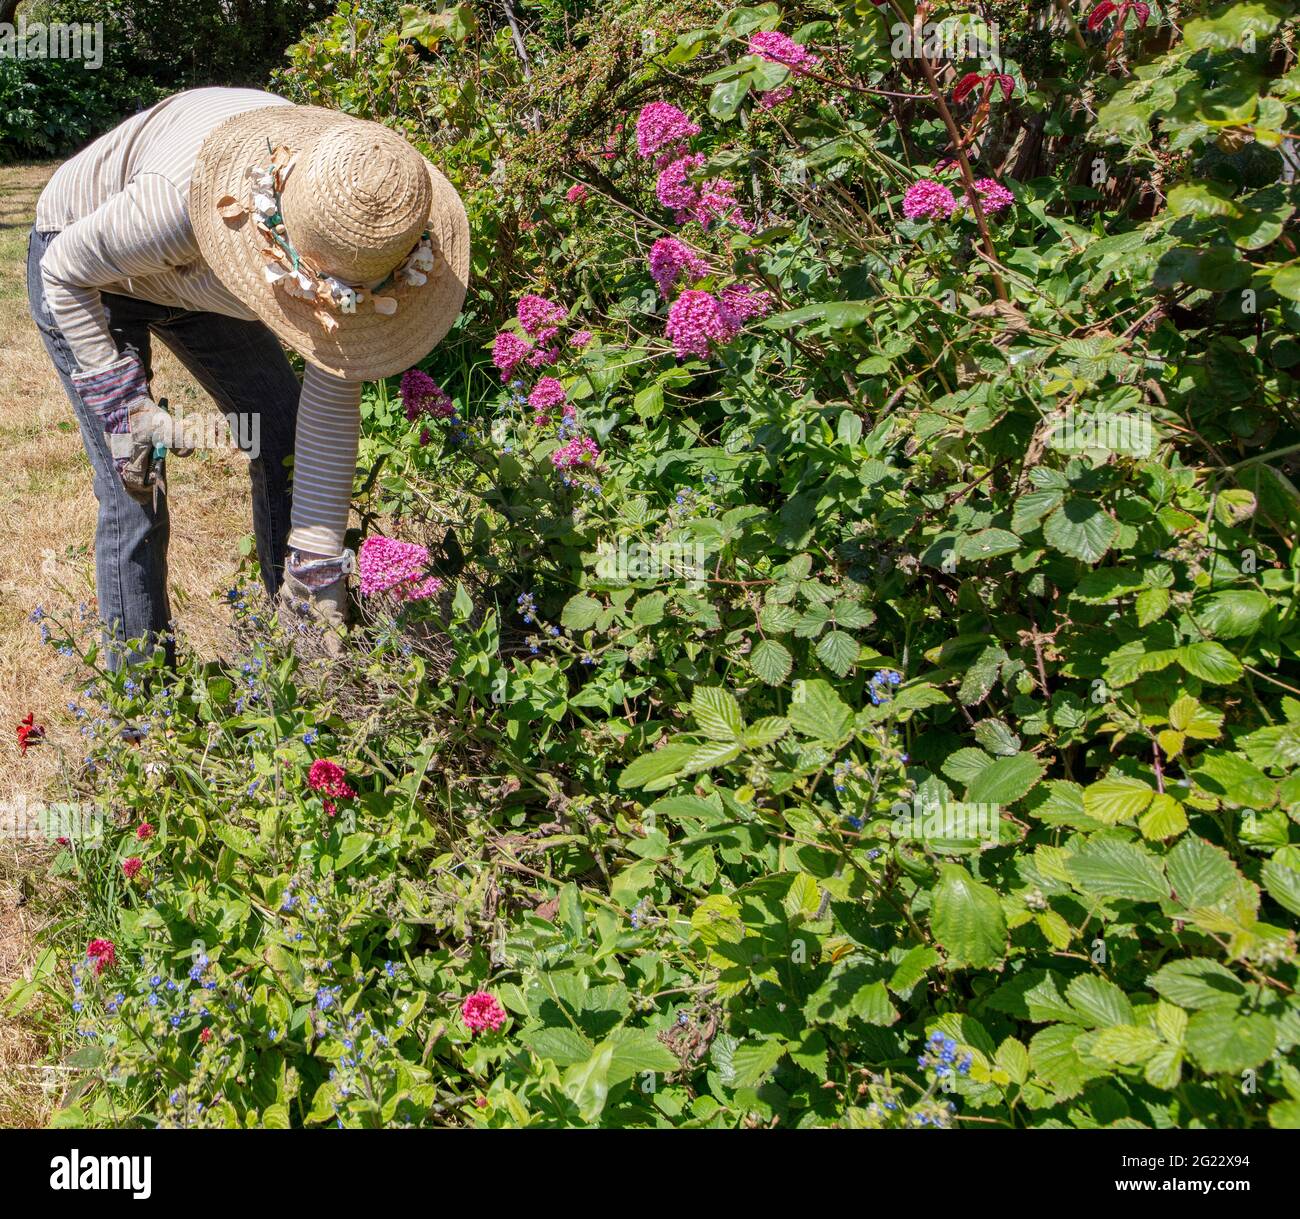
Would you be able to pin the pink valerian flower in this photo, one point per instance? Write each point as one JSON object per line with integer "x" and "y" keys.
{"x": 610, "y": 150}
{"x": 144, "y": 831}
{"x": 132, "y": 866}
{"x": 507, "y": 352}
{"x": 718, "y": 202}
{"x": 776, "y": 47}
{"x": 674, "y": 188}
{"x": 660, "y": 126}
{"x": 205, "y": 1035}
{"x": 928, "y": 200}
{"x": 698, "y": 322}
{"x": 706, "y": 202}
{"x": 329, "y": 780}
{"x": 670, "y": 260}
{"x": 993, "y": 195}
{"x": 745, "y": 303}
{"x": 580, "y": 339}
{"x": 547, "y": 394}
{"x": 481, "y": 1012}
{"x": 388, "y": 565}
{"x": 576, "y": 193}
{"x": 989, "y": 81}
{"x": 541, "y": 357}
{"x": 102, "y": 954}
{"x": 422, "y": 395}
{"x": 535, "y": 312}
{"x": 774, "y": 97}
{"x": 580, "y": 451}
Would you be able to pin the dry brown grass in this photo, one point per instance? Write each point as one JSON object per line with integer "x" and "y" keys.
{"x": 46, "y": 556}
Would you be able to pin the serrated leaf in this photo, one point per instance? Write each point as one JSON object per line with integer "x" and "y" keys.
{"x": 981, "y": 675}
{"x": 1126, "y": 1044}
{"x": 580, "y": 612}
{"x": 655, "y": 765}
{"x": 997, "y": 738}
{"x": 1013, "y": 1058}
{"x": 1005, "y": 780}
{"x": 1231, "y": 613}
{"x": 1099, "y": 1001}
{"x": 1283, "y": 885}
{"x": 1081, "y": 529}
{"x": 1116, "y": 798}
{"x": 1109, "y": 867}
{"x": 1198, "y": 982}
{"x": 772, "y": 662}
{"x": 1199, "y": 873}
{"x": 1151, "y": 605}
{"x": 838, "y": 651}
{"x": 816, "y": 711}
{"x": 967, "y": 920}
{"x": 1221, "y": 1042}
{"x": 1164, "y": 819}
{"x": 1210, "y": 662}
{"x": 717, "y": 713}
{"x": 778, "y": 619}
{"x": 763, "y": 732}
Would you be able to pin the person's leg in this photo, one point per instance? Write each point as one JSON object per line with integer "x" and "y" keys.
{"x": 130, "y": 537}
{"x": 242, "y": 365}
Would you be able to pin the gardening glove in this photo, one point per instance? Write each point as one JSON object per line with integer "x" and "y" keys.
{"x": 315, "y": 594}
{"x": 137, "y": 430}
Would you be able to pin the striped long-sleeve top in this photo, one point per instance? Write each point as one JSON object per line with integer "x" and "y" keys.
{"x": 120, "y": 209}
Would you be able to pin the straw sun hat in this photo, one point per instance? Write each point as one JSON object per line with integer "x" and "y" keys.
{"x": 339, "y": 235}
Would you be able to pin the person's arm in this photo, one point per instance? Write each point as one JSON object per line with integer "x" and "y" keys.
{"x": 142, "y": 230}
{"x": 324, "y": 462}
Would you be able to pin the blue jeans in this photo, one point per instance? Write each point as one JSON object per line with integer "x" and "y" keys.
{"x": 242, "y": 365}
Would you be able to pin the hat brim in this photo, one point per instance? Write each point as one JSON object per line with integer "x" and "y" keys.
{"x": 366, "y": 345}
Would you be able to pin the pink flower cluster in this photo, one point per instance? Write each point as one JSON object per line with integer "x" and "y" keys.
{"x": 931, "y": 200}
{"x": 670, "y": 260}
{"x": 540, "y": 319}
{"x": 387, "y": 565}
{"x": 422, "y": 395}
{"x": 662, "y": 131}
{"x": 698, "y": 321}
{"x": 536, "y": 312}
{"x": 776, "y": 47}
{"x": 780, "y": 48}
{"x": 481, "y": 1012}
{"x": 993, "y": 195}
{"x": 102, "y": 954}
{"x": 580, "y": 451}
{"x": 576, "y": 193}
{"x": 547, "y": 394}
{"x": 131, "y": 867}
{"x": 661, "y": 126}
{"x": 330, "y": 780}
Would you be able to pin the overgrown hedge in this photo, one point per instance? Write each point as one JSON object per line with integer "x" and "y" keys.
{"x": 862, "y": 689}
